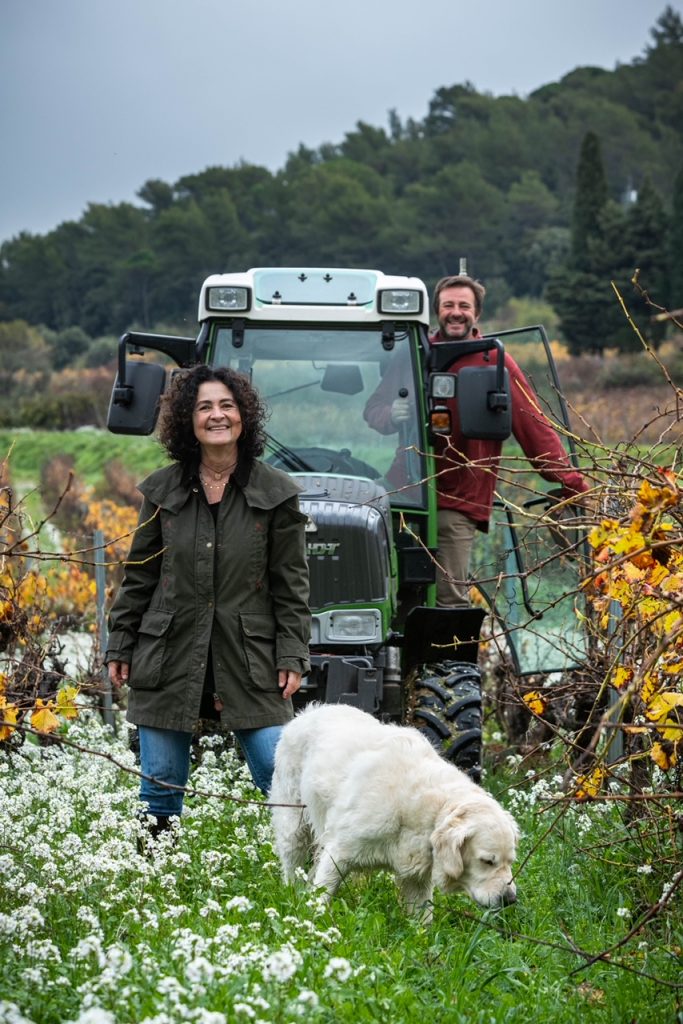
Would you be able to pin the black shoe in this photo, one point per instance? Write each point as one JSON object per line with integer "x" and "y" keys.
{"x": 154, "y": 825}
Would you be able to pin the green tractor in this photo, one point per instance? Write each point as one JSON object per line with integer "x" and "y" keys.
{"x": 317, "y": 344}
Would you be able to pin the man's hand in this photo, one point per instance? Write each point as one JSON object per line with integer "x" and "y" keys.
{"x": 288, "y": 681}
{"x": 118, "y": 673}
{"x": 400, "y": 411}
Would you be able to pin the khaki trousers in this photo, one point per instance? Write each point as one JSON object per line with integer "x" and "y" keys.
{"x": 456, "y": 537}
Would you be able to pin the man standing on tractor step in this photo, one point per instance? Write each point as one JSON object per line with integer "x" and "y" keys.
{"x": 467, "y": 469}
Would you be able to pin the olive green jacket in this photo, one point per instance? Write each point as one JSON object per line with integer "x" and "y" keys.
{"x": 235, "y": 590}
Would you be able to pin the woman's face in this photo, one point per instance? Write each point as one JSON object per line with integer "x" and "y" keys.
{"x": 216, "y": 419}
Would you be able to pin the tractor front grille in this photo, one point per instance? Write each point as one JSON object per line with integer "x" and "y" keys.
{"x": 347, "y": 539}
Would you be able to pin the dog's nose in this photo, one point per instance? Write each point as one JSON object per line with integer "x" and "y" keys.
{"x": 510, "y": 895}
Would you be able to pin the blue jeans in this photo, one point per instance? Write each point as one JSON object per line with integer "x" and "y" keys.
{"x": 165, "y": 755}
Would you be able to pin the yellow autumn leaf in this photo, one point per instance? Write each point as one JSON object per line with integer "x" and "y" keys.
{"x": 657, "y": 575}
{"x": 649, "y": 495}
{"x": 664, "y": 755}
{"x": 535, "y": 701}
{"x": 621, "y": 677}
{"x": 671, "y": 621}
{"x": 8, "y": 718}
{"x": 602, "y": 533}
{"x": 670, "y": 730}
{"x": 66, "y": 702}
{"x": 632, "y": 573}
{"x": 588, "y": 786}
{"x": 658, "y": 497}
{"x": 662, "y": 704}
{"x": 633, "y": 540}
{"x": 650, "y": 687}
{"x": 673, "y": 584}
{"x": 43, "y": 719}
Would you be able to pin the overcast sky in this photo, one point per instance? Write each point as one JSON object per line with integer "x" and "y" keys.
{"x": 98, "y": 96}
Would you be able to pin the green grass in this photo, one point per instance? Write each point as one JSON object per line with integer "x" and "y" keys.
{"x": 206, "y": 931}
{"x": 91, "y": 450}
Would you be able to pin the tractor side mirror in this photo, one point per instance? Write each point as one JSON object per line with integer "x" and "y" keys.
{"x": 134, "y": 405}
{"x": 484, "y": 407}
{"x": 484, "y": 404}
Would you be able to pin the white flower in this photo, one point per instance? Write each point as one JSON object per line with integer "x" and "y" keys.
{"x": 307, "y": 998}
{"x": 623, "y": 912}
{"x": 645, "y": 869}
{"x": 200, "y": 970}
{"x": 339, "y": 968}
{"x": 240, "y": 903}
{"x": 11, "y": 1014}
{"x": 209, "y": 907}
{"x": 202, "y": 1016}
{"x": 95, "y": 1015}
{"x": 282, "y": 964}
{"x": 244, "y": 1008}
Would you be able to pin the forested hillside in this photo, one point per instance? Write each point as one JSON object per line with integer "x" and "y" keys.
{"x": 489, "y": 178}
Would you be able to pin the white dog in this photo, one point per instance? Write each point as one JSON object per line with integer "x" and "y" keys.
{"x": 379, "y": 796}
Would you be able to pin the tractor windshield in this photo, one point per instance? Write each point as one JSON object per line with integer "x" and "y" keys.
{"x": 330, "y": 393}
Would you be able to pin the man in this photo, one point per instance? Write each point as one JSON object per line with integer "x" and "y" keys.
{"x": 467, "y": 469}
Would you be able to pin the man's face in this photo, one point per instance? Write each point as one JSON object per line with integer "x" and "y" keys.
{"x": 457, "y": 313}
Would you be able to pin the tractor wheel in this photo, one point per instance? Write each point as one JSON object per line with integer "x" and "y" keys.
{"x": 446, "y": 707}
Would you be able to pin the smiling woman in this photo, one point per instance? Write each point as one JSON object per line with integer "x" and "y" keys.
{"x": 211, "y": 619}
{"x": 217, "y": 425}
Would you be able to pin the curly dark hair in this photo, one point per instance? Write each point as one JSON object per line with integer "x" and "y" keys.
{"x": 176, "y": 433}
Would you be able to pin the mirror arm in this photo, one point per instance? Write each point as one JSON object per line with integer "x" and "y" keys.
{"x": 122, "y": 393}
{"x": 498, "y": 399}
{"x": 182, "y": 350}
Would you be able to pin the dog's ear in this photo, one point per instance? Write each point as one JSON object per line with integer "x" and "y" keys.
{"x": 447, "y": 841}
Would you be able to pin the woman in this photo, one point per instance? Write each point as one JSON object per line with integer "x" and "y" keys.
{"x": 212, "y": 610}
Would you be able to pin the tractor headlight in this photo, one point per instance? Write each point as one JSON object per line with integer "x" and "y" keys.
{"x": 400, "y": 300}
{"x": 359, "y": 624}
{"x": 442, "y": 385}
{"x": 224, "y": 299}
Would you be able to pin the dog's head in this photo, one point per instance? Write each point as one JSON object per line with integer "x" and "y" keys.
{"x": 474, "y": 847}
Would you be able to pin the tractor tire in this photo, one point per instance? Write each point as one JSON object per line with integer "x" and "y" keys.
{"x": 446, "y": 707}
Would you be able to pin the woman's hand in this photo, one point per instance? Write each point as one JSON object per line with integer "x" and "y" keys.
{"x": 118, "y": 673}
{"x": 288, "y": 681}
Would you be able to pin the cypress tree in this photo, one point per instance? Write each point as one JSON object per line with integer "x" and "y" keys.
{"x": 590, "y": 198}
{"x": 579, "y": 289}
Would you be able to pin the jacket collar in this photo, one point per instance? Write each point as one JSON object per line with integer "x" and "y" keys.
{"x": 435, "y": 339}
{"x": 262, "y": 485}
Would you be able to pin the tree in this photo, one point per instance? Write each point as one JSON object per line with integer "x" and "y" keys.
{"x": 646, "y": 234}
{"x": 676, "y": 245}
{"x": 531, "y": 210}
{"x": 590, "y": 197}
{"x": 157, "y": 194}
{"x": 579, "y": 289}
{"x": 68, "y": 345}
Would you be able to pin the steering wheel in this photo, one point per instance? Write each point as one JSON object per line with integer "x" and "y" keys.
{"x": 323, "y": 460}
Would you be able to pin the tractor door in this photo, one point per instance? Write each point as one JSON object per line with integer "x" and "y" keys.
{"x": 528, "y": 568}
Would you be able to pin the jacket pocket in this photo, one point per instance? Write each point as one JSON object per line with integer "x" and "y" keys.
{"x": 258, "y": 643}
{"x": 148, "y": 656}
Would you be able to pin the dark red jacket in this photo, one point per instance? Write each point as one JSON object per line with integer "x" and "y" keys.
{"x": 466, "y": 469}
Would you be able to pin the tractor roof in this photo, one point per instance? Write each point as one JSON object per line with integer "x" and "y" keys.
{"x": 304, "y": 293}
